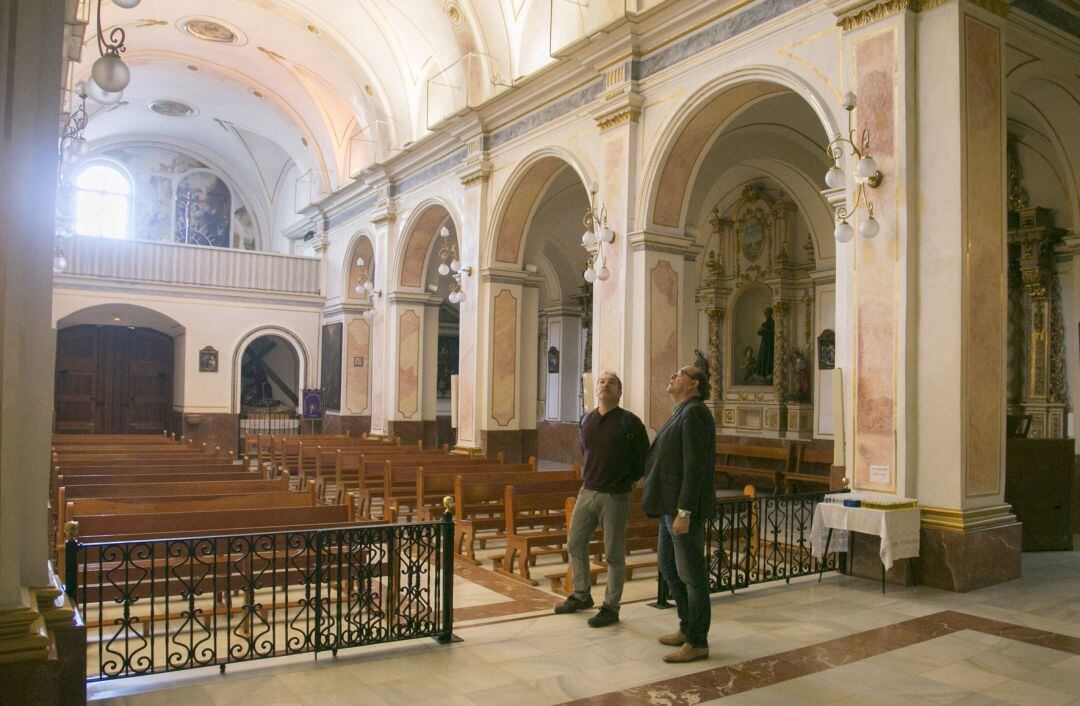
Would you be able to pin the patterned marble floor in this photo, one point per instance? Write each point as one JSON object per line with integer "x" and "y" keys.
{"x": 840, "y": 641}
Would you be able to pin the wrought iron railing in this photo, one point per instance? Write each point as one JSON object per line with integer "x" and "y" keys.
{"x": 266, "y": 423}
{"x": 172, "y": 604}
{"x": 758, "y": 540}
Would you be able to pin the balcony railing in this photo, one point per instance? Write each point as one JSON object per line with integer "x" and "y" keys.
{"x": 174, "y": 263}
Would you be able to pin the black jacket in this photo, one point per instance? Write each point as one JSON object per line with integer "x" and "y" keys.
{"x": 680, "y": 465}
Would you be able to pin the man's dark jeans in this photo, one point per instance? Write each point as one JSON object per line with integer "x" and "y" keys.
{"x": 681, "y": 560}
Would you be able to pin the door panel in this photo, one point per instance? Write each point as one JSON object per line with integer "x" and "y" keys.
{"x": 113, "y": 380}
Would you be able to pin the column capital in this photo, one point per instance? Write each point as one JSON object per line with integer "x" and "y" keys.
{"x": 420, "y": 298}
{"x": 853, "y": 14}
{"x": 661, "y": 242}
{"x": 385, "y": 212}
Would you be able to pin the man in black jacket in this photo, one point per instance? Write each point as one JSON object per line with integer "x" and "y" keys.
{"x": 613, "y": 441}
{"x": 680, "y": 489}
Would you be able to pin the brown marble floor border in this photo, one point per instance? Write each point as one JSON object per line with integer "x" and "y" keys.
{"x": 804, "y": 661}
{"x": 523, "y": 598}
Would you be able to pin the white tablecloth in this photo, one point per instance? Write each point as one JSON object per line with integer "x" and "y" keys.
{"x": 898, "y": 529}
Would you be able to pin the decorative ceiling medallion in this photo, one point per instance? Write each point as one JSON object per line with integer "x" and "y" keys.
{"x": 303, "y": 141}
{"x": 368, "y": 89}
{"x": 257, "y": 94}
{"x": 171, "y": 108}
{"x": 454, "y": 13}
{"x": 313, "y": 29}
{"x": 192, "y": 67}
{"x": 211, "y": 30}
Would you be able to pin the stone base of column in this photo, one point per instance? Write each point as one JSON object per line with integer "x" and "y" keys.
{"x": 517, "y": 445}
{"x": 410, "y": 433}
{"x": 964, "y": 561}
{"x": 69, "y": 638}
{"x": 558, "y": 441}
{"x": 213, "y": 429}
{"x": 351, "y": 424}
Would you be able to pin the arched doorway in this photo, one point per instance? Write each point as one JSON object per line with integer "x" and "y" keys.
{"x": 269, "y": 385}
{"x": 540, "y": 318}
{"x": 114, "y": 371}
{"x": 744, "y": 178}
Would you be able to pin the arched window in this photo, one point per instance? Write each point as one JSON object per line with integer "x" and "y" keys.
{"x": 102, "y": 202}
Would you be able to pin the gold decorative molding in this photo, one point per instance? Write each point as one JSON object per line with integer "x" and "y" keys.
{"x": 881, "y": 10}
{"x": 967, "y": 520}
{"x": 477, "y": 176}
{"x": 384, "y": 213}
{"x": 619, "y": 117}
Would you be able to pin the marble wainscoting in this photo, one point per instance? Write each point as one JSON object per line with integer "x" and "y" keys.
{"x": 558, "y": 441}
{"x": 212, "y": 429}
{"x": 964, "y": 561}
{"x": 517, "y": 445}
{"x": 410, "y": 432}
{"x": 351, "y": 424}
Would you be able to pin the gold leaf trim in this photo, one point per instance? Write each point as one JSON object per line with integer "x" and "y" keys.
{"x": 881, "y": 10}
{"x": 967, "y": 520}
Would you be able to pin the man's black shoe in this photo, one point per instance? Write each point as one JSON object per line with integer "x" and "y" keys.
{"x": 606, "y": 616}
{"x": 573, "y": 604}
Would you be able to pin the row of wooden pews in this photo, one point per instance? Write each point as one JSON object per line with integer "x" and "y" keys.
{"x": 145, "y": 488}
{"x": 782, "y": 469}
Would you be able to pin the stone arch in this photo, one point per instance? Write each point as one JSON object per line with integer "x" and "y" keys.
{"x": 420, "y": 231}
{"x": 519, "y": 199}
{"x": 302, "y": 355}
{"x": 673, "y": 167}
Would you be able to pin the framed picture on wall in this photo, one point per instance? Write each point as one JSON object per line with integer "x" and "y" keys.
{"x": 313, "y": 403}
{"x": 208, "y": 360}
{"x": 827, "y": 350}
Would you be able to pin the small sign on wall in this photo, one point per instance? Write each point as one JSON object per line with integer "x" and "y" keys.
{"x": 879, "y": 475}
{"x": 358, "y": 361}
{"x": 208, "y": 360}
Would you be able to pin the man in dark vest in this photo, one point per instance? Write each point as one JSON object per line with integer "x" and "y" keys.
{"x": 680, "y": 489}
{"x": 613, "y": 441}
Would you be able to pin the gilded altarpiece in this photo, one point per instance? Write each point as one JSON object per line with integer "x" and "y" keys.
{"x": 1037, "y": 381}
{"x": 758, "y": 299}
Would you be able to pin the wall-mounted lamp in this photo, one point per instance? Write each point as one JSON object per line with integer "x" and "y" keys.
{"x": 866, "y": 174}
{"x": 596, "y": 233}
{"x": 371, "y": 312}
{"x": 450, "y": 266}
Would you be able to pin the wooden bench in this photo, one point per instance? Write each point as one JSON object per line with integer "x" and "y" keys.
{"x": 812, "y": 468}
{"x": 408, "y": 488}
{"x": 368, "y": 472}
{"x": 479, "y": 503}
{"x": 535, "y": 522}
{"x": 777, "y": 458}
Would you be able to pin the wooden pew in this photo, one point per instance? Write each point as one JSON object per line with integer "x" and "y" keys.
{"x": 479, "y": 503}
{"x": 133, "y": 505}
{"x": 407, "y": 488}
{"x": 811, "y": 469}
{"x": 535, "y": 522}
{"x": 367, "y": 471}
{"x": 778, "y": 459}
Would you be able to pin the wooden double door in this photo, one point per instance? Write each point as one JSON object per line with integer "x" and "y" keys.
{"x": 113, "y": 380}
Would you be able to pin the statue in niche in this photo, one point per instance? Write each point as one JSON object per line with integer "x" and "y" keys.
{"x": 767, "y": 332}
{"x": 801, "y": 377}
{"x": 701, "y": 362}
{"x": 748, "y": 367}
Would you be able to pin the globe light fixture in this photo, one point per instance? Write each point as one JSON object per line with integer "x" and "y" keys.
{"x": 596, "y": 234}
{"x": 450, "y": 266}
{"x": 866, "y": 175}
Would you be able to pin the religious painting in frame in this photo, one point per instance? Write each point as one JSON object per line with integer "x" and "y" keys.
{"x": 208, "y": 360}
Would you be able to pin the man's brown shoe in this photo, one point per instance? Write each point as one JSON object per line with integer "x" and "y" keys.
{"x": 687, "y": 653}
{"x": 675, "y": 639}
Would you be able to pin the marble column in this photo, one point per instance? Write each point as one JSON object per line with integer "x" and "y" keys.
{"x": 384, "y": 221}
{"x": 474, "y": 175}
{"x": 617, "y": 120}
{"x": 34, "y": 71}
{"x": 412, "y": 333}
{"x": 929, "y": 308}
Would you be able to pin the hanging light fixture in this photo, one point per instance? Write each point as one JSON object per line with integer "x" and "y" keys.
{"x": 60, "y": 262}
{"x": 73, "y": 145}
{"x": 450, "y": 266}
{"x": 364, "y": 285}
{"x": 596, "y": 233}
{"x": 866, "y": 174}
{"x": 109, "y": 72}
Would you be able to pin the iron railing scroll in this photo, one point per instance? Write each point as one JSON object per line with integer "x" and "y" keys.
{"x": 757, "y": 540}
{"x": 163, "y": 605}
